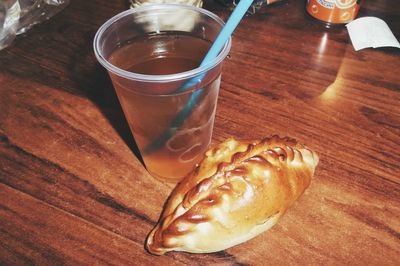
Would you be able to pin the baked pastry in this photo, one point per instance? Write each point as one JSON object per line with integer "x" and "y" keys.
{"x": 239, "y": 190}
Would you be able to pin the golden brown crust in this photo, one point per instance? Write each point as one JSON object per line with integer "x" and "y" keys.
{"x": 239, "y": 190}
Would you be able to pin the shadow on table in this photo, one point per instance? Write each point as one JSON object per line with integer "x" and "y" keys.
{"x": 99, "y": 89}
{"x": 64, "y": 60}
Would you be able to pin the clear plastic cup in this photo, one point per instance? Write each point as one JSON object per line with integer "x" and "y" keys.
{"x": 151, "y": 53}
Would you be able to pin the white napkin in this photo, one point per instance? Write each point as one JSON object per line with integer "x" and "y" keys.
{"x": 371, "y": 32}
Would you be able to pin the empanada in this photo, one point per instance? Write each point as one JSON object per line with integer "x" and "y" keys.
{"x": 239, "y": 190}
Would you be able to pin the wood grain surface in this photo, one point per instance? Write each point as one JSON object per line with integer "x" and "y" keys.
{"x": 73, "y": 191}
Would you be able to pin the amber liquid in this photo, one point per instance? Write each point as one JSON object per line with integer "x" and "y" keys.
{"x": 151, "y": 107}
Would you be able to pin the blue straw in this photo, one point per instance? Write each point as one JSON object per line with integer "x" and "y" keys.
{"x": 216, "y": 47}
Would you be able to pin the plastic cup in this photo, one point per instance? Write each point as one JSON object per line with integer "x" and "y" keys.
{"x": 147, "y": 52}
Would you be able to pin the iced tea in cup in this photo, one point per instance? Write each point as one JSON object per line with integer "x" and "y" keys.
{"x": 152, "y": 53}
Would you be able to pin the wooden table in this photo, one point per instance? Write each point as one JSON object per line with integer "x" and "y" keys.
{"x": 72, "y": 190}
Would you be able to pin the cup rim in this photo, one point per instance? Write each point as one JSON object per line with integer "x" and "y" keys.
{"x": 158, "y": 78}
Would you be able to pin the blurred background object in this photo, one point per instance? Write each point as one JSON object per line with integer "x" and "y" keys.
{"x": 136, "y": 3}
{"x": 333, "y": 12}
{"x": 18, "y": 16}
{"x": 257, "y": 4}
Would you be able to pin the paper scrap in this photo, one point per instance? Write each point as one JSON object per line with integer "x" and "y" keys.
{"x": 371, "y": 32}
